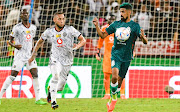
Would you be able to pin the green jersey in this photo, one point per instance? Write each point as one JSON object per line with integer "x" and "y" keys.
{"x": 123, "y": 50}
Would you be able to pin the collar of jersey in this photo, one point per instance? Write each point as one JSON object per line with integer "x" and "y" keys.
{"x": 25, "y": 26}
{"x": 60, "y": 29}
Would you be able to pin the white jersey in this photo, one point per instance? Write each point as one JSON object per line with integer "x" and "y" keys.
{"x": 62, "y": 43}
{"x": 23, "y": 36}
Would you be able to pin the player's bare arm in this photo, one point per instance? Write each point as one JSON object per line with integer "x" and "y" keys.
{"x": 143, "y": 37}
{"x": 13, "y": 45}
{"x": 81, "y": 43}
{"x": 100, "y": 33}
{"x": 37, "y": 46}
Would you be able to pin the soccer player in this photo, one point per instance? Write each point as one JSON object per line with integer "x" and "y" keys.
{"x": 122, "y": 51}
{"x": 23, "y": 34}
{"x": 107, "y": 60}
{"x": 61, "y": 59}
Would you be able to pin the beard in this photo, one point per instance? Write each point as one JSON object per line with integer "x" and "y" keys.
{"x": 124, "y": 19}
{"x": 59, "y": 26}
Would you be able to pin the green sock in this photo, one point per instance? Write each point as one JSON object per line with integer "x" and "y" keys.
{"x": 114, "y": 87}
{"x": 114, "y": 96}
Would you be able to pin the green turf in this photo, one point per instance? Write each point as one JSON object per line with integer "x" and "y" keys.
{"x": 92, "y": 105}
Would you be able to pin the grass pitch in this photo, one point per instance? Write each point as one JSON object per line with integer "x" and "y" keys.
{"x": 92, "y": 105}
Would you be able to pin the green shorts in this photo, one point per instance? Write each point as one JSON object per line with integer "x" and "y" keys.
{"x": 122, "y": 66}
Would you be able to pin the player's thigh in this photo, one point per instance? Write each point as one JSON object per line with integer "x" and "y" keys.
{"x": 33, "y": 64}
{"x": 17, "y": 65}
{"x": 63, "y": 76}
{"x": 124, "y": 68}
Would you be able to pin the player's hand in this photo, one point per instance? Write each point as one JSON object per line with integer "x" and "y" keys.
{"x": 95, "y": 21}
{"x": 142, "y": 33}
{"x": 134, "y": 53}
{"x": 18, "y": 47}
{"x": 98, "y": 55}
{"x": 30, "y": 60}
{"x": 75, "y": 47}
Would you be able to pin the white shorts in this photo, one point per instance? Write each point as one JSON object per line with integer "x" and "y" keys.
{"x": 60, "y": 71}
{"x": 18, "y": 64}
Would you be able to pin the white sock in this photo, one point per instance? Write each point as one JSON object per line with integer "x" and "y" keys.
{"x": 118, "y": 89}
{"x": 53, "y": 90}
{"x": 36, "y": 88}
{"x": 6, "y": 84}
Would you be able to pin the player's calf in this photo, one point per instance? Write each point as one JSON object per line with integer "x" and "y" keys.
{"x": 49, "y": 95}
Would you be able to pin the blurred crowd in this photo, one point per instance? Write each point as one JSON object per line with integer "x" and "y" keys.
{"x": 159, "y": 18}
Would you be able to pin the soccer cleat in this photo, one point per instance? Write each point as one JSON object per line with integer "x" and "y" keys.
{"x": 49, "y": 95}
{"x": 106, "y": 96}
{"x": 40, "y": 102}
{"x": 123, "y": 96}
{"x": 54, "y": 106}
{"x": 112, "y": 105}
{"x": 107, "y": 105}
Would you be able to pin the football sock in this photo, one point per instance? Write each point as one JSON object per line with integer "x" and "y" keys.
{"x": 118, "y": 90}
{"x": 114, "y": 87}
{"x": 113, "y": 90}
{"x": 6, "y": 84}
{"x": 53, "y": 90}
{"x": 36, "y": 88}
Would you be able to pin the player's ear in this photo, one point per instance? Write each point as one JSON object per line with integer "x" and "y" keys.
{"x": 54, "y": 18}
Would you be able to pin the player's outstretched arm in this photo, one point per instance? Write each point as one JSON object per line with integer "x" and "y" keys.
{"x": 143, "y": 37}
{"x": 81, "y": 43}
{"x": 34, "y": 53}
{"x": 100, "y": 33}
{"x": 11, "y": 43}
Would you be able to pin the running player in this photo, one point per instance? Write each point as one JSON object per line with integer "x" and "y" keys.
{"x": 62, "y": 38}
{"x": 122, "y": 51}
{"x": 108, "y": 43}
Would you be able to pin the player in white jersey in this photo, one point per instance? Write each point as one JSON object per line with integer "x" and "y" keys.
{"x": 23, "y": 34}
{"x": 61, "y": 59}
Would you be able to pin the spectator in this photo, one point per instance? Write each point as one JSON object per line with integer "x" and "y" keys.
{"x": 95, "y": 5}
{"x": 114, "y": 11}
{"x": 143, "y": 18}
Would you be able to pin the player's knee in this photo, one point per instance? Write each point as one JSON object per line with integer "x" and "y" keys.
{"x": 106, "y": 77}
{"x": 114, "y": 79}
{"x": 34, "y": 72}
{"x": 14, "y": 73}
{"x": 55, "y": 77}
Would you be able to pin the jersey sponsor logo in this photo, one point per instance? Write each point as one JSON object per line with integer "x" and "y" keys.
{"x": 27, "y": 31}
{"x": 12, "y": 33}
{"x": 58, "y": 35}
{"x": 59, "y": 41}
{"x": 64, "y": 34}
{"x": 28, "y": 36}
{"x": 122, "y": 43}
{"x": 111, "y": 38}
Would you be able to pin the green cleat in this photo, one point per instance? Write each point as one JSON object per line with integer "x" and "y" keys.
{"x": 40, "y": 102}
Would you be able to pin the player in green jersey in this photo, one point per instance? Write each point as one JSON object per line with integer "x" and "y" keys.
{"x": 122, "y": 50}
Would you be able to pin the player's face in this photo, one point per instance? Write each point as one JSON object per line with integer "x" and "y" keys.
{"x": 24, "y": 15}
{"x": 59, "y": 20}
{"x": 124, "y": 14}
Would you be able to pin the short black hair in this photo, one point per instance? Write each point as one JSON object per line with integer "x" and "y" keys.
{"x": 59, "y": 12}
{"x": 126, "y": 6}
